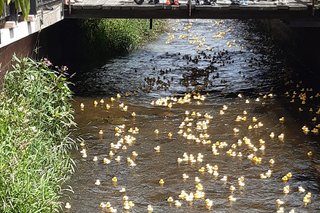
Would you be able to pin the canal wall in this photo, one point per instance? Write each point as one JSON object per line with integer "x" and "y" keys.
{"x": 21, "y": 48}
{"x": 299, "y": 43}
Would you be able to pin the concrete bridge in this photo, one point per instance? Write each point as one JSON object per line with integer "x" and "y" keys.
{"x": 221, "y": 9}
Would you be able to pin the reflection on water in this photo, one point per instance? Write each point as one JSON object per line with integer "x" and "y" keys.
{"x": 203, "y": 123}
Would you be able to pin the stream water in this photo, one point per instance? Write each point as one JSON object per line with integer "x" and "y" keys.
{"x": 214, "y": 110}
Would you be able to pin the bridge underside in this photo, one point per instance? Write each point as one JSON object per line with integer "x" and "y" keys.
{"x": 263, "y": 10}
{"x": 195, "y": 13}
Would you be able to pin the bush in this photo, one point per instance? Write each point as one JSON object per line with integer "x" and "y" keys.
{"x": 35, "y": 118}
{"x": 113, "y": 37}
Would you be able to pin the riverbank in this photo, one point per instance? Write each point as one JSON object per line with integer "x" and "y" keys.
{"x": 35, "y": 119}
{"x": 86, "y": 44}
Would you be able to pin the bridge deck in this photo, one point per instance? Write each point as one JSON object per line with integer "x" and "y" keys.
{"x": 290, "y": 9}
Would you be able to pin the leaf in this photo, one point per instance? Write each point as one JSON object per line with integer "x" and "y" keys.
{"x": 1, "y": 6}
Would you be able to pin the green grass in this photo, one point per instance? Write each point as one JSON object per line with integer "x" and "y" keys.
{"x": 35, "y": 118}
{"x": 113, "y": 37}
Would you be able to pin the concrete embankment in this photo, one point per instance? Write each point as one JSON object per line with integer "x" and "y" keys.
{"x": 299, "y": 43}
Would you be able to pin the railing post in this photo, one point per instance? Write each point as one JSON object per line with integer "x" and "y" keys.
{"x": 189, "y": 7}
{"x": 13, "y": 13}
{"x": 33, "y": 7}
{"x": 150, "y": 24}
{"x": 69, "y": 6}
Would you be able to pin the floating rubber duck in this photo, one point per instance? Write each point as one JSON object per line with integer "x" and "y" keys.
{"x": 197, "y": 180}
{"x": 106, "y": 161}
{"x": 286, "y": 189}
{"x": 232, "y": 199}
{"x": 271, "y": 161}
{"x": 209, "y": 203}
{"x": 224, "y": 178}
{"x": 161, "y": 182}
{"x": 118, "y": 159}
{"x": 134, "y": 154}
{"x": 97, "y": 182}
{"x": 177, "y": 203}
{"x": 68, "y": 205}
{"x": 114, "y": 179}
{"x": 102, "y": 205}
{"x": 315, "y": 131}
{"x": 150, "y": 209}
{"x": 305, "y": 130}
{"x": 272, "y": 135}
{"x": 281, "y": 137}
{"x": 170, "y": 200}
{"x": 301, "y": 189}
{"x": 185, "y": 176}
{"x": 232, "y": 188}
{"x": 279, "y": 202}
{"x": 157, "y": 148}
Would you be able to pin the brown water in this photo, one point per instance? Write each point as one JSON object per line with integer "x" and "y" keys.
{"x": 230, "y": 61}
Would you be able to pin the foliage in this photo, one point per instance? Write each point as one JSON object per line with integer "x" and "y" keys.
{"x": 21, "y": 5}
{"x": 112, "y": 37}
{"x": 35, "y": 117}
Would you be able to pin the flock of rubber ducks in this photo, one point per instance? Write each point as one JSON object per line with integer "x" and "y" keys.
{"x": 193, "y": 129}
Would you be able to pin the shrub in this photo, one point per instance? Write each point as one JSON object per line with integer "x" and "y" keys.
{"x": 35, "y": 119}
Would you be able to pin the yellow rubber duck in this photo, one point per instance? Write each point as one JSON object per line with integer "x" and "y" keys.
{"x": 286, "y": 189}
{"x": 150, "y": 209}
{"x": 161, "y": 182}
{"x": 114, "y": 179}
{"x": 170, "y": 200}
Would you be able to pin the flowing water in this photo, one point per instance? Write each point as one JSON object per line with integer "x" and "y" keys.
{"x": 198, "y": 108}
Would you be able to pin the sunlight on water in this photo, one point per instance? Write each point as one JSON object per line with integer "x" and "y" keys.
{"x": 201, "y": 124}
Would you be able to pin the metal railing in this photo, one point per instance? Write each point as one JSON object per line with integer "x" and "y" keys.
{"x": 5, "y": 12}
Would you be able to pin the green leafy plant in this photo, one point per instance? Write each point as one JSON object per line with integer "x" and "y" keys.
{"x": 21, "y": 5}
{"x": 35, "y": 120}
{"x": 113, "y": 37}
